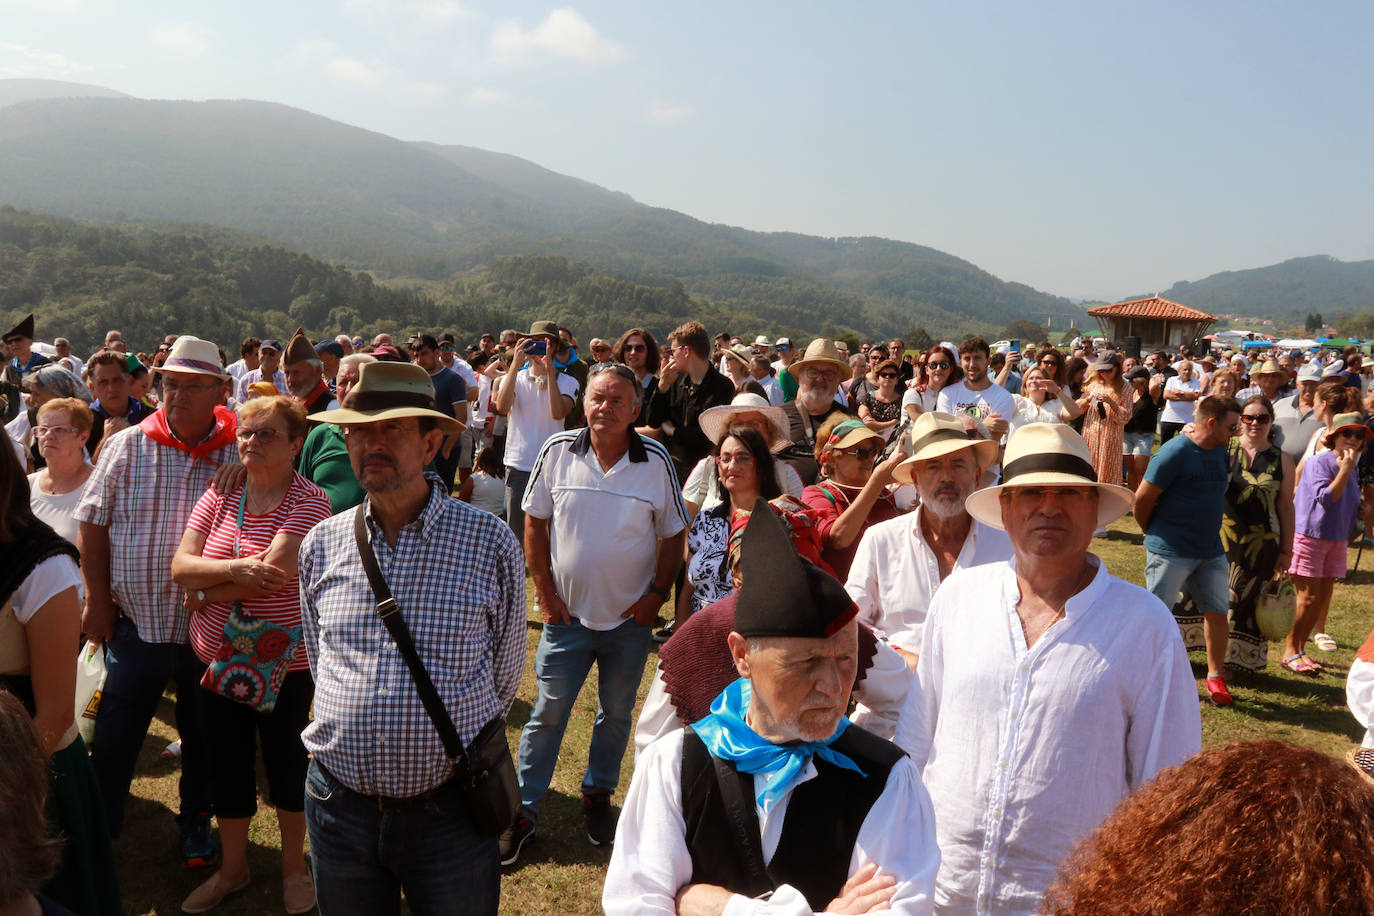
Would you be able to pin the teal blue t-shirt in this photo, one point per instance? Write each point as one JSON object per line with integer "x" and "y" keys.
{"x": 1187, "y": 519}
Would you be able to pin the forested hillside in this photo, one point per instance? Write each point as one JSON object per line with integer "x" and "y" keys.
{"x": 83, "y": 280}
{"x": 423, "y": 213}
{"x": 1286, "y": 292}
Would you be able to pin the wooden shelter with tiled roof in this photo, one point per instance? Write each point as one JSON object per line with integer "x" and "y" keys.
{"x": 1159, "y": 323}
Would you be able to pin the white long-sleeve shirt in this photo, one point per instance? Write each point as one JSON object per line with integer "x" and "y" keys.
{"x": 650, "y": 862}
{"x": 895, "y": 574}
{"x": 1026, "y": 751}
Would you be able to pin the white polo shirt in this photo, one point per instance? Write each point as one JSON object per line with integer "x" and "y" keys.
{"x": 895, "y": 574}
{"x": 605, "y": 526}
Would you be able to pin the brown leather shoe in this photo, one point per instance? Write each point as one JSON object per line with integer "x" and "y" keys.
{"x": 211, "y": 894}
{"x": 298, "y": 893}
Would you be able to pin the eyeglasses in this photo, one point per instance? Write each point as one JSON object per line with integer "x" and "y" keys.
{"x": 1255, "y": 418}
{"x": 267, "y": 434}
{"x": 735, "y": 458}
{"x": 45, "y": 430}
{"x": 937, "y": 365}
{"x": 862, "y": 452}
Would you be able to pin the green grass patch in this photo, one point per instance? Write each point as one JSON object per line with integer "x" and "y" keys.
{"x": 561, "y": 873}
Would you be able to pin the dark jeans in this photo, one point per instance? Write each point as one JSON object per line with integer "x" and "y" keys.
{"x": 232, "y": 728}
{"x": 516, "y": 481}
{"x": 448, "y": 467}
{"x": 363, "y": 857}
{"x": 1168, "y": 430}
{"x": 137, "y": 673}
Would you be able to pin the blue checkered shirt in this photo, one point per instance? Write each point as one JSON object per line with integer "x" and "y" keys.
{"x": 458, "y": 575}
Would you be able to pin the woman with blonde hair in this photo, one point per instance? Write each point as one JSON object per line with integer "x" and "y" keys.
{"x": 63, "y": 426}
{"x": 240, "y": 549}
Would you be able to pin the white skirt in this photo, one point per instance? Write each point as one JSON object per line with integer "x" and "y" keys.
{"x": 1359, "y": 695}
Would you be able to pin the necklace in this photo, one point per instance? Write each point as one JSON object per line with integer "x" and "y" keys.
{"x": 260, "y": 503}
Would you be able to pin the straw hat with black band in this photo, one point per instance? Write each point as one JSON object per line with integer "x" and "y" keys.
{"x": 1048, "y": 455}
{"x": 390, "y": 391}
{"x": 935, "y": 434}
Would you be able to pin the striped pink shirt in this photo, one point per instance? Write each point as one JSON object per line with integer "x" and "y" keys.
{"x": 216, "y": 516}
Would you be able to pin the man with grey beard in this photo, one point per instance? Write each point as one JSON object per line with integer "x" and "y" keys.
{"x": 818, "y": 375}
{"x": 901, "y": 562}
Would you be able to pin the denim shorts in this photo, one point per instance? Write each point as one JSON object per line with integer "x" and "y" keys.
{"x": 1138, "y": 443}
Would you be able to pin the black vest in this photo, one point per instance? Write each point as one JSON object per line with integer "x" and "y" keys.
{"x": 818, "y": 832}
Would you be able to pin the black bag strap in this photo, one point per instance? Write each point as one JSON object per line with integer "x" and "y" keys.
{"x": 395, "y": 624}
{"x": 744, "y": 825}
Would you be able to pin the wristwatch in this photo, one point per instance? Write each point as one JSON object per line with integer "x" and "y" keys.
{"x": 660, "y": 592}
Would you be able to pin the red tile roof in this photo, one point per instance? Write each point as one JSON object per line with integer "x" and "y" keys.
{"x": 1154, "y": 307}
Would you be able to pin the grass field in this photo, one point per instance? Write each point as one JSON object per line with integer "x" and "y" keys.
{"x": 560, "y": 873}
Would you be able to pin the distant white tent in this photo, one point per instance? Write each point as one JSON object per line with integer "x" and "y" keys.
{"x": 1294, "y": 343}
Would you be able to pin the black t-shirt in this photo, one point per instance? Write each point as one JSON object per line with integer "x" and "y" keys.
{"x": 681, "y": 404}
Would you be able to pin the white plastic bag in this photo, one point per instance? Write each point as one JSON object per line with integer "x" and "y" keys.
{"x": 90, "y": 681}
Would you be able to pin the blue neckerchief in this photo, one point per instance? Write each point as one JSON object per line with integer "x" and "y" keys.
{"x": 572, "y": 358}
{"x": 728, "y": 736}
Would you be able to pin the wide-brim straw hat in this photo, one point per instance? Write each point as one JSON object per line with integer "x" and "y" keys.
{"x": 739, "y": 352}
{"x": 935, "y": 434}
{"x": 822, "y": 352}
{"x": 1268, "y": 367}
{"x": 714, "y": 421}
{"x": 194, "y": 357}
{"x": 390, "y": 391}
{"x": 1048, "y": 455}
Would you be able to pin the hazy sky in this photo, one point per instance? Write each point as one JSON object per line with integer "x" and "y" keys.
{"x": 1088, "y": 149}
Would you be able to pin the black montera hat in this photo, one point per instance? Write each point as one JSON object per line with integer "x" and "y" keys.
{"x": 22, "y": 329}
{"x": 782, "y": 594}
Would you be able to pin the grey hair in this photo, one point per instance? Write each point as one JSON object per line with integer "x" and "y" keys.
{"x": 356, "y": 359}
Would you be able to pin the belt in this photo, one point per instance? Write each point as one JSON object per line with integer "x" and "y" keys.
{"x": 450, "y": 791}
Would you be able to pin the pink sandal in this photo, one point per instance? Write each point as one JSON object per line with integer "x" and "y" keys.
{"x": 1301, "y": 664}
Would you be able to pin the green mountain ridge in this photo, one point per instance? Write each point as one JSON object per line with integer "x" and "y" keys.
{"x": 430, "y": 212}
{"x": 1286, "y": 292}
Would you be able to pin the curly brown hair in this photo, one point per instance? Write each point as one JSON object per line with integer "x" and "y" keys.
{"x": 1257, "y": 827}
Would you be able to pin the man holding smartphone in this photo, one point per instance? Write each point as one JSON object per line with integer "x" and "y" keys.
{"x": 536, "y": 401}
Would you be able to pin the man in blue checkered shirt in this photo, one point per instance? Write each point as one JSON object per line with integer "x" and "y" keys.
{"x": 383, "y": 810}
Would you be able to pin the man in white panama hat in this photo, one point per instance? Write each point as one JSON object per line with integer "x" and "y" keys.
{"x": 1050, "y": 689}
{"x": 133, "y": 513}
{"x": 380, "y": 780}
{"x": 902, "y": 561}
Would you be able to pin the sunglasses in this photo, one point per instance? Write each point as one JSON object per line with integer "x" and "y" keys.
{"x": 447, "y": 348}
{"x": 938, "y": 365}
{"x": 635, "y": 348}
{"x": 887, "y": 375}
{"x": 624, "y": 372}
{"x": 1255, "y": 418}
{"x": 862, "y": 452}
{"x": 1358, "y": 434}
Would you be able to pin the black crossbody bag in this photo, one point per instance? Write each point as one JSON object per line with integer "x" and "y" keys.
{"x": 485, "y": 771}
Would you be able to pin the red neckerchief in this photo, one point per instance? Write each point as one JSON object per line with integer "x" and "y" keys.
{"x": 321, "y": 388}
{"x": 155, "y": 427}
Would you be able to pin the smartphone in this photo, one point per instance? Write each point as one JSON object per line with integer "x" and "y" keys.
{"x": 538, "y": 348}
{"x": 1015, "y": 345}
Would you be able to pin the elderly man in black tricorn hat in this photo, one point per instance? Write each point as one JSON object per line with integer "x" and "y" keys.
{"x": 774, "y": 794}
{"x": 22, "y": 360}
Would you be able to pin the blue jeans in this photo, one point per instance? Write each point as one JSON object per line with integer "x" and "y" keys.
{"x": 1207, "y": 580}
{"x": 137, "y": 673}
{"x": 561, "y": 665}
{"x": 363, "y": 857}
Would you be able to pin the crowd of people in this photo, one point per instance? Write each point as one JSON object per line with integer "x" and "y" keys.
{"x": 893, "y": 676}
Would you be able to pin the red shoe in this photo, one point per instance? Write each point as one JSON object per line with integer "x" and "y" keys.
{"x": 1220, "y": 695}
